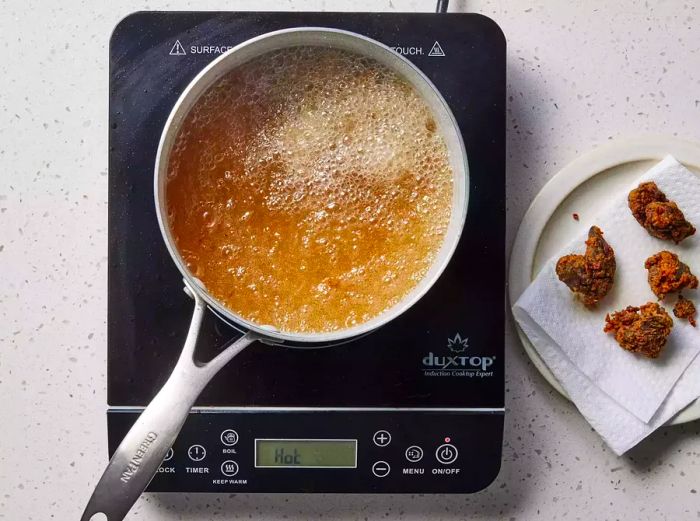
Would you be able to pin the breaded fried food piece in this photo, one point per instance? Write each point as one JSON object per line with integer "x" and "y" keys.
{"x": 685, "y": 309}
{"x": 643, "y": 330}
{"x": 641, "y": 197}
{"x": 667, "y": 274}
{"x": 666, "y": 221}
{"x": 591, "y": 275}
{"x": 660, "y": 217}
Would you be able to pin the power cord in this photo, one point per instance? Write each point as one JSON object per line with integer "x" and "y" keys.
{"x": 442, "y": 6}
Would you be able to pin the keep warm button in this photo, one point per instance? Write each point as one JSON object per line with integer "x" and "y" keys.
{"x": 229, "y": 468}
{"x": 446, "y": 453}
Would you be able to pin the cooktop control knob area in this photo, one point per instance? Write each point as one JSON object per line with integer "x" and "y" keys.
{"x": 330, "y": 451}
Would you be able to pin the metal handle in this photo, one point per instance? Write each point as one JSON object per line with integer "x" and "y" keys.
{"x": 142, "y": 450}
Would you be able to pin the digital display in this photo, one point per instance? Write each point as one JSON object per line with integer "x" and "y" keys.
{"x": 305, "y": 453}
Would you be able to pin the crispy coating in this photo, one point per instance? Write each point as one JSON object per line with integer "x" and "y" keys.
{"x": 660, "y": 217}
{"x": 685, "y": 309}
{"x": 667, "y": 274}
{"x": 639, "y": 198}
{"x": 666, "y": 221}
{"x": 589, "y": 276}
{"x": 643, "y": 330}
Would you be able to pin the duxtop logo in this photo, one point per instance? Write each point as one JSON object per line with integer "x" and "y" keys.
{"x": 455, "y": 362}
{"x": 457, "y": 345}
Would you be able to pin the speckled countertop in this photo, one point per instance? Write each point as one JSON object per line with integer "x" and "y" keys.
{"x": 579, "y": 73}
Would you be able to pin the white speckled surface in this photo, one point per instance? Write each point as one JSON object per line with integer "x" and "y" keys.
{"x": 579, "y": 73}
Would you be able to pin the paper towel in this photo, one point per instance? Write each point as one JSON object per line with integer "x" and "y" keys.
{"x": 569, "y": 337}
{"x": 620, "y": 429}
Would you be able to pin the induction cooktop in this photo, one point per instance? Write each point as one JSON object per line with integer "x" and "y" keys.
{"x": 417, "y": 406}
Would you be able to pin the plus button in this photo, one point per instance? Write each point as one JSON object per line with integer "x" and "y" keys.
{"x": 382, "y": 438}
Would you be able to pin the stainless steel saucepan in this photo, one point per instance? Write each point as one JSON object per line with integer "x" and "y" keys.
{"x": 139, "y": 455}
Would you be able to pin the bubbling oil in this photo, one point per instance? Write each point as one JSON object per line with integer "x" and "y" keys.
{"x": 309, "y": 190}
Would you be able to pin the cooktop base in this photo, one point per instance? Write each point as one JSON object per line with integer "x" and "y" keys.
{"x": 416, "y": 406}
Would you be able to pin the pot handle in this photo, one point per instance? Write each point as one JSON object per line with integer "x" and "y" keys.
{"x": 142, "y": 450}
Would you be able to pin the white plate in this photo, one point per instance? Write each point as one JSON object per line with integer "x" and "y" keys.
{"x": 582, "y": 187}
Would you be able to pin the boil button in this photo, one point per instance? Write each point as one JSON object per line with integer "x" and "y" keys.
{"x": 229, "y": 437}
{"x": 446, "y": 453}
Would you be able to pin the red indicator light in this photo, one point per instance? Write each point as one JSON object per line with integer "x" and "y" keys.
{"x": 448, "y": 439}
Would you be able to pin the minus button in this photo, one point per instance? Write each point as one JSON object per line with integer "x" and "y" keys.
{"x": 381, "y": 469}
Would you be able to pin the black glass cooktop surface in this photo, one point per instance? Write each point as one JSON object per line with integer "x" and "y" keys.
{"x": 446, "y": 351}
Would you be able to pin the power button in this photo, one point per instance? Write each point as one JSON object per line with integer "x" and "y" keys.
{"x": 446, "y": 453}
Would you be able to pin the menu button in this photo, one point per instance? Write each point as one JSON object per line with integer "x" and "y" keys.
{"x": 414, "y": 454}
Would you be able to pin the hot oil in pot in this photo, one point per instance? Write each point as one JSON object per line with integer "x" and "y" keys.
{"x": 309, "y": 189}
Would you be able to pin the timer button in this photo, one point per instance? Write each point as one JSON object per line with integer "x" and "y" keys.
{"x": 382, "y": 438}
{"x": 446, "y": 453}
{"x": 229, "y": 468}
{"x": 229, "y": 437}
{"x": 196, "y": 452}
{"x": 381, "y": 469}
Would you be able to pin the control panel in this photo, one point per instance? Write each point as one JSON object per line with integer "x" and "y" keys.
{"x": 397, "y": 451}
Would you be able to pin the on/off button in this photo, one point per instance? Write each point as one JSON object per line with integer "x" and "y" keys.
{"x": 446, "y": 453}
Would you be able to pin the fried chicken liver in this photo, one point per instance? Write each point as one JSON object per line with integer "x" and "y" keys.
{"x": 643, "y": 330}
{"x": 685, "y": 309}
{"x": 660, "y": 217}
{"x": 591, "y": 275}
{"x": 667, "y": 274}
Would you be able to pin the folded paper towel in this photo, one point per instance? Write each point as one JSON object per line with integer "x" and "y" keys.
{"x": 623, "y": 395}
